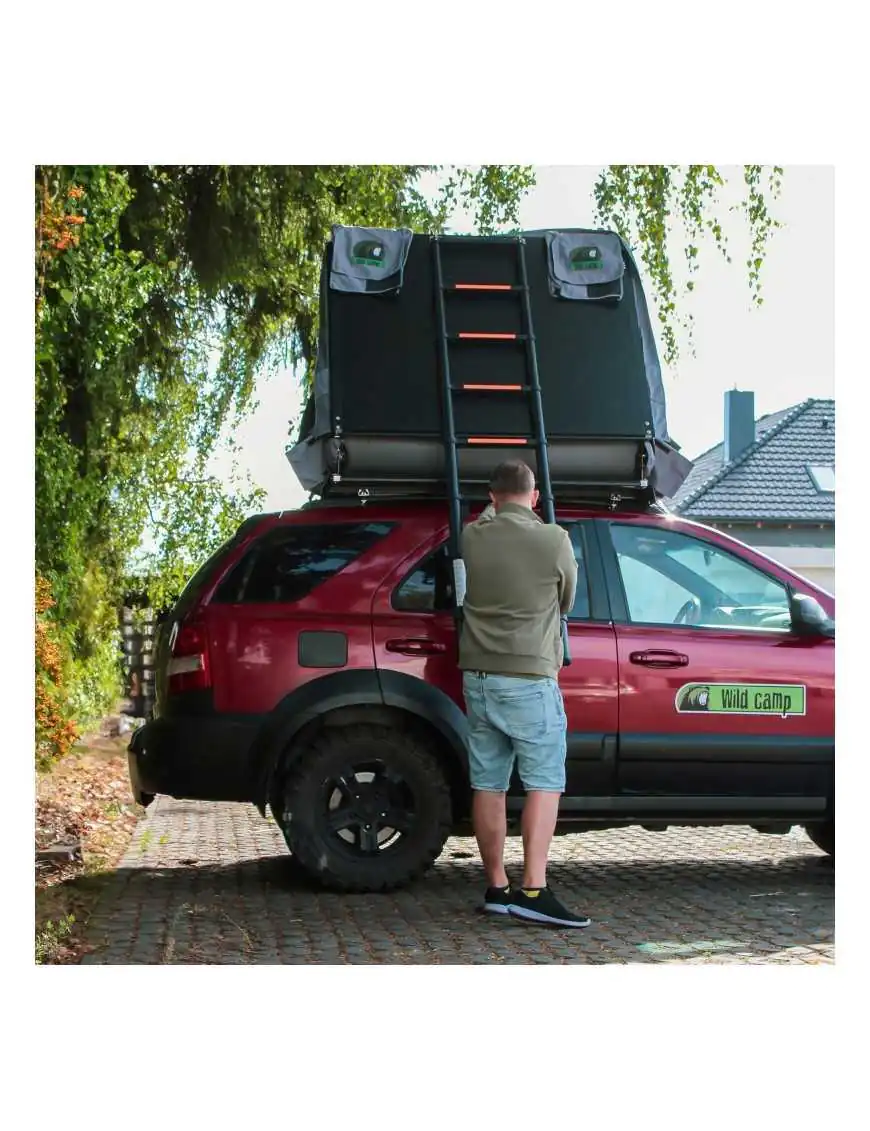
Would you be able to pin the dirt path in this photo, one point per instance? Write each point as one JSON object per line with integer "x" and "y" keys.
{"x": 84, "y": 803}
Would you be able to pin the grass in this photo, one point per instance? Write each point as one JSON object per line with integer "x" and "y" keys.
{"x": 51, "y": 938}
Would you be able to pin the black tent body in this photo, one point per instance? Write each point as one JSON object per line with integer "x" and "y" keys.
{"x": 571, "y": 303}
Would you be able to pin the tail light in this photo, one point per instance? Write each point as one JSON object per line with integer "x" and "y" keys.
{"x": 188, "y": 668}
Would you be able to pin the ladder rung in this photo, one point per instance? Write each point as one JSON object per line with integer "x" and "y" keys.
{"x": 490, "y": 388}
{"x": 501, "y": 441}
{"x": 477, "y": 337}
{"x": 504, "y": 288}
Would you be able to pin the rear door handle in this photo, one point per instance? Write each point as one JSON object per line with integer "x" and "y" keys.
{"x": 411, "y": 647}
{"x": 660, "y": 658}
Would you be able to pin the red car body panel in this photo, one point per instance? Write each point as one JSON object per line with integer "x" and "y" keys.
{"x": 253, "y": 647}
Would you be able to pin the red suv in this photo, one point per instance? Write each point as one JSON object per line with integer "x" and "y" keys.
{"x": 310, "y": 665}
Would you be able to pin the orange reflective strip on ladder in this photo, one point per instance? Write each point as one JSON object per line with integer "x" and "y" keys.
{"x": 491, "y": 337}
{"x": 500, "y": 440}
{"x": 494, "y": 388}
{"x": 483, "y": 287}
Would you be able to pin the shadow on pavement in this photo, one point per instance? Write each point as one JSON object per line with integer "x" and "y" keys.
{"x": 268, "y": 911}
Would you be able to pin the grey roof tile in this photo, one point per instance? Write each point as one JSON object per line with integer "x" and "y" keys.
{"x": 770, "y": 481}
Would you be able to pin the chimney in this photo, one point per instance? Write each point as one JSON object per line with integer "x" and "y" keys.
{"x": 739, "y": 424}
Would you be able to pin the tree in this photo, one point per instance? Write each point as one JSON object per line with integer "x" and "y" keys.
{"x": 655, "y": 206}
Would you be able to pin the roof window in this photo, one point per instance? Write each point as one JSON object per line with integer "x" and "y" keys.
{"x": 822, "y": 477}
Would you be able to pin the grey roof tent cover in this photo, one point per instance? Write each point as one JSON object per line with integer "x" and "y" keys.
{"x": 578, "y": 269}
{"x": 368, "y": 260}
{"x": 586, "y": 266}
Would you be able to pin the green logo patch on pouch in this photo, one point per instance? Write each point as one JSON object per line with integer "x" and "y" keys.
{"x": 368, "y": 253}
{"x": 585, "y": 259}
{"x": 782, "y": 699}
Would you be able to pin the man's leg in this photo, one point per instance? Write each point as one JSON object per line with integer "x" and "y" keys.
{"x": 542, "y": 770}
{"x": 489, "y": 814}
{"x": 539, "y": 822}
{"x": 536, "y": 721}
{"x": 490, "y": 760}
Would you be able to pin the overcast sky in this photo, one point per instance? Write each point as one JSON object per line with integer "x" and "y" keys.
{"x": 784, "y": 351}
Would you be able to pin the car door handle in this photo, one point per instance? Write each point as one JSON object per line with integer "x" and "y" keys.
{"x": 660, "y": 658}
{"x": 412, "y": 647}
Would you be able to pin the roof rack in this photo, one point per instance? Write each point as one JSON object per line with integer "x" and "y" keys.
{"x": 578, "y": 495}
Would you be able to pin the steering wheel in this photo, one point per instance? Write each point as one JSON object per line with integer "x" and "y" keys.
{"x": 690, "y": 613}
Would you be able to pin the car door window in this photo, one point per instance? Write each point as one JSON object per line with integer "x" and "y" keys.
{"x": 674, "y": 578}
{"x": 580, "y": 609}
{"x": 428, "y": 588}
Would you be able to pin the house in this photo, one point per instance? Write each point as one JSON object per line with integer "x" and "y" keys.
{"x": 771, "y": 484}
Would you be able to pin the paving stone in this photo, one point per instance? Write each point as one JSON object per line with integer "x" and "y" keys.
{"x": 216, "y": 885}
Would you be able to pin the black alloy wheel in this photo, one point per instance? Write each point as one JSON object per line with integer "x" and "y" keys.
{"x": 365, "y": 808}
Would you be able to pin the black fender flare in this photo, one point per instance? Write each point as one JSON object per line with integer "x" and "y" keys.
{"x": 429, "y": 703}
{"x": 317, "y": 697}
{"x": 346, "y": 690}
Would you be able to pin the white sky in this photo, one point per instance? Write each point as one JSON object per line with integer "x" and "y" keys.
{"x": 783, "y": 351}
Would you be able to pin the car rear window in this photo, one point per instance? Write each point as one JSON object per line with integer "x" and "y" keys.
{"x": 209, "y": 567}
{"x": 288, "y": 562}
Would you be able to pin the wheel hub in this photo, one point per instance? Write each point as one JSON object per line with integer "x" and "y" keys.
{"x": 371, "y": 803}
{"x": 365, "y": 807}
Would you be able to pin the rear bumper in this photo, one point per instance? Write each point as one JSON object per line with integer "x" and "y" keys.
{"x": 195, "y": 759}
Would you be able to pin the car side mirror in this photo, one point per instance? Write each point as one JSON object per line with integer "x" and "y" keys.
{"x": 808, "y": 618}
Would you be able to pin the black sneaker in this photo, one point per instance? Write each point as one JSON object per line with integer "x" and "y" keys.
{"x": 497, "y": 901}
{"x": 539, "y": 905}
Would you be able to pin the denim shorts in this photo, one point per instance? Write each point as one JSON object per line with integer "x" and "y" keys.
{"x": 515, "y": 720}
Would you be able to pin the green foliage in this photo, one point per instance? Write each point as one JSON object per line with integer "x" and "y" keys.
{"x": 161, "y": 291}
{"x": 193, "y": 517}
{"x": 655, "y": 207}
{"x": 492, "y": 192}
{"x": 55, "y": 731}
{"x": 51, "y": 937}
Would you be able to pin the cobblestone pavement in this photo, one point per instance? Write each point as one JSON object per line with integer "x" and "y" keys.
{"x": 213, "y": 883}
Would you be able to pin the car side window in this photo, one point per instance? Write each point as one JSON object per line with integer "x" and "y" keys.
{"x": 288, "y": 562}
{"x": 671, "y": 578}
{"x": 428, "y": 588}
{"x": 580, "y": 609}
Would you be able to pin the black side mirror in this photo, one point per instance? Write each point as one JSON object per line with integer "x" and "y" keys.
{"x": 808, "y": 618}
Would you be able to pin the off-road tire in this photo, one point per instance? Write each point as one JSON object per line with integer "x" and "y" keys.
{"x": 302, "y": 808}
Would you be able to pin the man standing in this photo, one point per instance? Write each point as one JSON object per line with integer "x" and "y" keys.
{"x": 521, "y": 578}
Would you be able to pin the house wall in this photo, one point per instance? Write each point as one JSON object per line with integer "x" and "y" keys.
{"x": 824, "y": 578}
{"x": 809, "y": 551}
